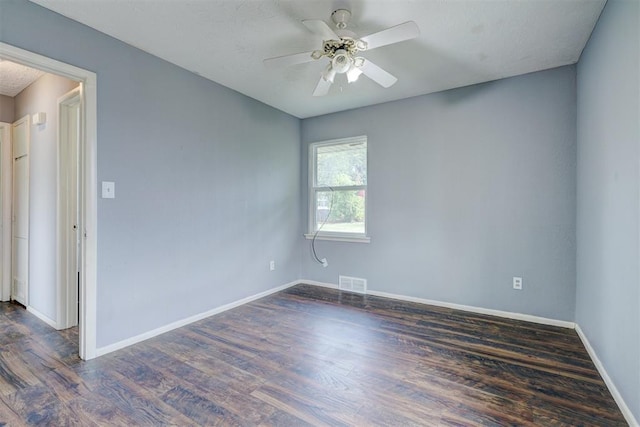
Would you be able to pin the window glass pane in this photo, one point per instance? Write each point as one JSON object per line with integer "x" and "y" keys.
{"x": 341, "y": 165}
{"x": 340, "y": 211}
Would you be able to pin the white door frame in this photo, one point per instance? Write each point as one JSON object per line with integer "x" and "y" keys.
{"x": 67, "y": 233}
{"x": 88, "y": 185}
{"x": 6, "y": 158}
{"x": 24, "y": 183}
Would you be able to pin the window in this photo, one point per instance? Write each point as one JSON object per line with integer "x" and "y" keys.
{"x": 338, "y": 189}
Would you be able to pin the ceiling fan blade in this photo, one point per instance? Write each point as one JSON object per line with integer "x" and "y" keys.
{"x": 320, "y": 28}
{"x": 399, "y": 33}
{"x": 286, "y": 60}
{"x": 322, "y": 88}
{"x": 377, "y": 74}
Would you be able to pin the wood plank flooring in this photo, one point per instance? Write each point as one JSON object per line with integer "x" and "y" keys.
{"x": 308, "y": 356}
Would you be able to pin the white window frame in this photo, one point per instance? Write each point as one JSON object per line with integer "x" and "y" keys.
{"x": 333, "y": 235}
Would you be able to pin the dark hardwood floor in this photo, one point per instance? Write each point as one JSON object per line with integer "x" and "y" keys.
{"x": 308, "y": 356}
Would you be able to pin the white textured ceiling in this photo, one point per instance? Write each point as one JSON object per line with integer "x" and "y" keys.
{"x": 462, "y": 42}
{"x": 15, "y": 77}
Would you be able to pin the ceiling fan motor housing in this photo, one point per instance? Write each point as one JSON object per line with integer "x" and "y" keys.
{"x": 331, "y": 47}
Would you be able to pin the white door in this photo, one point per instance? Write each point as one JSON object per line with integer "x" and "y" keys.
{"x": 20, "y": 239}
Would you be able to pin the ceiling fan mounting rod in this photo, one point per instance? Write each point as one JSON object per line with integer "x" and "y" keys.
{"x": 341, "y": 18}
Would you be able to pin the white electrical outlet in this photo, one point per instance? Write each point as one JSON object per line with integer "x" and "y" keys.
{"x": 325, "y": 263}
{"x": 272, "y": 265}
{"x": 517, "y": 283}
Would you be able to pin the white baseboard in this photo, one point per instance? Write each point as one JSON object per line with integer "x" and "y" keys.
{"x": 469, "y": 308}
{"x": 314, "y": 283}
{"x": 479, "y": 310}
{"x": 183, "y": 322}
{"x": 607, "y": 380}
{"x": 43, "y": 317}
{"x": 177, "y": 324}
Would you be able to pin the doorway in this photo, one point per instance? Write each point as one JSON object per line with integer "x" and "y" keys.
{"x": 86, "y": 203}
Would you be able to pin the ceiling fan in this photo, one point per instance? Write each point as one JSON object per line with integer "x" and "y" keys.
{"x": 342, "y": 47}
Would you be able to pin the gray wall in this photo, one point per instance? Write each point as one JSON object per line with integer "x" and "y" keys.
{"x": 42, "y": 96}
{"x": 467, "y": 188}
{"x": 207, "y": 180}
{"x": 7, "y": 109}
{"x": 608, "y": 282}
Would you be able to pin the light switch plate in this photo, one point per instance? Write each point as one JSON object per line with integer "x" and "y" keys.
{"x": 108, "y": 190}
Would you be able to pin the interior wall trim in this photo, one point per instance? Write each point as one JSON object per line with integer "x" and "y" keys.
{"x": 179, "y": 323}
{"x": 469, "y": 308}
{"x": 5, "y": 210}
{"x": 479, "y": 310}
{"x": 46, "y": 319}
{"x": 183, "y": 322}
{"x": 316, "y": 283}
{"x": 626, "y": 412}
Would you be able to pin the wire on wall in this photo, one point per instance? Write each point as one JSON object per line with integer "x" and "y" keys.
{"x": 315, "y": 235}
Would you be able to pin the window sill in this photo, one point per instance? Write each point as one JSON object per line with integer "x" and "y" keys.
{"x": 352, "y": 239}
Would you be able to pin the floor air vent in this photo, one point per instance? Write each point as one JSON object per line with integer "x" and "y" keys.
{"x": 353, "y": 284}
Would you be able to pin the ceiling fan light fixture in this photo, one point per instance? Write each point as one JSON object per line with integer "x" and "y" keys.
{"x": 353, "y": 73}
{"x": 342, "y": 61}
{"x": 329, "y": 73}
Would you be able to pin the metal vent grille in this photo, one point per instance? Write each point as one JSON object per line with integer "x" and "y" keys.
{"x": 352, "y": 284}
